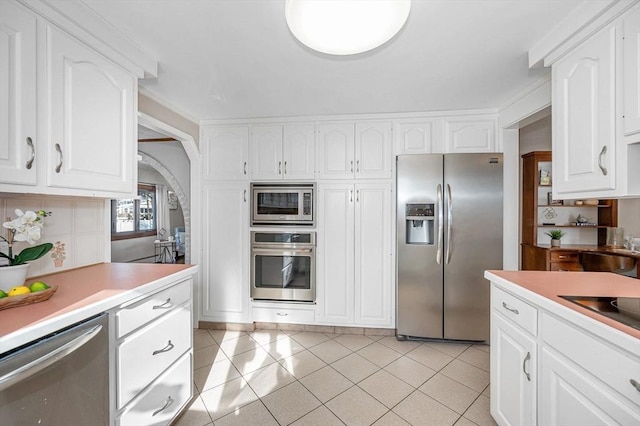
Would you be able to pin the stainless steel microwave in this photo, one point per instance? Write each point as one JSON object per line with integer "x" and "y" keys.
{"x": 282, "y": 204}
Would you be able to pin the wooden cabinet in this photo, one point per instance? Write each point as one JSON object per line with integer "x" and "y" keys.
{"x": 465, "y": 135}
{"x": 153, "y": 353}
{"x": 225, "y": 272}
{"x": 283, "y": 152}
{"x": 68, "y": 113}
{"x": 354, "y": 151}
{"x": 225, "y": 153}
{"x": 354, "y": 279}
{"x": 18, "y": 134}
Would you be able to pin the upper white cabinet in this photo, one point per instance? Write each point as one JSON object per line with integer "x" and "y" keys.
{"x": 467, "y": 135}
{"x": 418, "y": 137}
{"x": 225, "y": 151}
{"x": 362, "y": 150}
{"x": 283, "y": 152}
{"x": 68, "y": 112}
{"x": 18, "y": 133}
{"x": 596, "y": 118}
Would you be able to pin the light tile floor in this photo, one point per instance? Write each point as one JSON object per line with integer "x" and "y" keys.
{"x": 276, "y": 377}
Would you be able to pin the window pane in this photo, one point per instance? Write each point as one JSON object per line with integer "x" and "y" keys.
{"x": 147, "y": 210}
{"x": 125, "y": 211}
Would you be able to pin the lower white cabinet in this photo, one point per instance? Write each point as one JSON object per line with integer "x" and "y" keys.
{"x": 153, "y": 356}
{"x": 283, "y": 313}
{"x": 355, "y": 279}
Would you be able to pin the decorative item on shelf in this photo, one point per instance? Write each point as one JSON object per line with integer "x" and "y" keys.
{"x": 549, "y": 213}
{"x": 583, "y": 221}
{"x": 545, "y": 178}
{"x": 578, "y": 203}
{"x": 591, "y": 202}
{"x": 26, "y": 227}
{"x": 555, "y": 235}
{"x": 553, "y": 202}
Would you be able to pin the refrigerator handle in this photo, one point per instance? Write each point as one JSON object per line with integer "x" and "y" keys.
{"x": 449, "y": 224}
{"x": 440, "y": 225}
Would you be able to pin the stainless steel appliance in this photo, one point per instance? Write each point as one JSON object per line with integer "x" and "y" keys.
{"x": 282, "y": 204}
{"x": 449, "y": 231}
{"x": 625, "y": 310}
{"x": 283, "y": 266}
{"x": 61, "y": 379}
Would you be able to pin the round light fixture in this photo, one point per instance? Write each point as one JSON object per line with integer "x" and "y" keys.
{"x": 345, "y": 27}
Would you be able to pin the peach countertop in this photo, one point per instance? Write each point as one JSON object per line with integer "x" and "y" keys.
{"x": 82, "y": 293}
{"x": 544, "y": 289}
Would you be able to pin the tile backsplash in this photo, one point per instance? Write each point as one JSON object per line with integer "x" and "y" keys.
{"x": 77, "y": 229}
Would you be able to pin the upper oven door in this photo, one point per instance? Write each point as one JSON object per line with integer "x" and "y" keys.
{"x": 273, "y": 205}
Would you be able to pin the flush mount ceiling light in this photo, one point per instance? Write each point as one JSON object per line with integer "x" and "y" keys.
{"x": 345, "y": 27}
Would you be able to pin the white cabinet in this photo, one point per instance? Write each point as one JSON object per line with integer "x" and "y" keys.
{"x": 418, "y": 137}
{"x": 354, "y": 254}
{"x": 68, "y": 113}
{"x": 225, "y": 152}
{"x": 225, "y": 273}
{"x": 18, "y": 135}
{"x": 283, "y": 152}
{"x": 631, "y": 74}
{"x": 354, "y": 151}
{"x": 513, "y": 361}
{"x": 467, "y": 135}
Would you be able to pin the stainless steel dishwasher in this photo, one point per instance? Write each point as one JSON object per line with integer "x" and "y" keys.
{"x": 61, "y": 379}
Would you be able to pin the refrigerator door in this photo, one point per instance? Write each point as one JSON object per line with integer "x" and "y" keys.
{"x": 419, "y": 280}
{"x": 473, "y": 241}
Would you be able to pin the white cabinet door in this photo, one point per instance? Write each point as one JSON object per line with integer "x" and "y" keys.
{"x": 470, "y": 136}
{"x": 513, "y": 373}
{"x": 373, "y": 276}
{"x": 584, "y": 136}
{"x": 373, "y": 150}
{"x": 92, "y": 118}
{"x": 225, "y": 269}
{"x": 225, "y": 153}
{"x": 336, "y": 151}
{"x": 18, "y": 136}
{"x": 298, "y": 151}
{"x": 417, "y": 137}
{"x": 631, "y": 74}
{"x": 335, "y": 253}
{"x": 266, "y": 153}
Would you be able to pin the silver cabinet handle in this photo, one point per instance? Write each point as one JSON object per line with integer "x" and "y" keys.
{"x": 449, "y": 223}
{"x": 524, "y": 365}
{"x": 515, "y": 311}
{"x": 285, "y": 167}
{"x": 358, "y": 166}
{"x": 167, "y": 403}
{"x": 244, "y": 195}
{"x": 602, "y": 153}
{"x": 440, "y": 225}
{"x": 635, "y": 384}
{"x": 167, "y": 348}
{"x": 351, "y": 166}
{"x": 282, "y": 314}
{"x": 166, "y": 305}
{"x": 357, "y": 196}
{"x": 244, "y": 168}
{"x": 23, "y": 373}
{"x": 279, "y": 167}
{"x": 59, "y": 166}
{"x": 351, "y": 195}
{"x": 33, "y": 153}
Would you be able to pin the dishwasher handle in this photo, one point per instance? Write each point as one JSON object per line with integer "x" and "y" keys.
{"x": 45, "y": 361}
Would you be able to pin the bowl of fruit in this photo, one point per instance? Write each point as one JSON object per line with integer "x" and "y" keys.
{"x": 35, "y": 292}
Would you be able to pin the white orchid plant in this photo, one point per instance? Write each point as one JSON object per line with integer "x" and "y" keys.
{"x": 27, "y": 226}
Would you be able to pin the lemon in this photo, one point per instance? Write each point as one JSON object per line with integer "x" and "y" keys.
{"x": 2, "y": 294}
{"x": 17, "y": 291}
{"x": 38, "y": 286}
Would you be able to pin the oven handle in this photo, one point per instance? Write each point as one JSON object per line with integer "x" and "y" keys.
{"x": 52, "y": 357}
{"x": 280, "y": 251}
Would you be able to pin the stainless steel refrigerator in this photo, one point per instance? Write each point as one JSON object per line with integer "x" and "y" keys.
{"x": 449, "y": 231}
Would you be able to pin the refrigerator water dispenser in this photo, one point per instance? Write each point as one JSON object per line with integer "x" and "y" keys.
{"x": 420, "y": 223}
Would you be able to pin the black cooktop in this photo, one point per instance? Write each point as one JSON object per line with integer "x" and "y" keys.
{"x": 625, "y": 310}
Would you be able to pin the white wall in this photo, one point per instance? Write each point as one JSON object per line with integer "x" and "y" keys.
{"x": 173, "y": 157}
{"x": 629, "y": 216}
{"x": 536, "y": 136}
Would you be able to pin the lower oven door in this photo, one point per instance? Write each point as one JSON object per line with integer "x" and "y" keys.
{"x": 283, "y": 274}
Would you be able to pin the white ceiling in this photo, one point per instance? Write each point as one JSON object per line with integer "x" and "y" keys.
{"x": 223, "y": 59}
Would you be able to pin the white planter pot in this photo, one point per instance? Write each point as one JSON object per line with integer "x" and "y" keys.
{"x": 555, "y": 243}
{"x": 12, "y": 276}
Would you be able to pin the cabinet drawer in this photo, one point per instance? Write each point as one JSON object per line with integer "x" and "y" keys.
{"x": 564, "y": 256}
{"x": 565, "y": 266}
{"x": 172, "y": 391}
{"x": 608, "y": 363}
{"x": 145, "y": 354}
{"x": 515, "y": 309}
{"x": 284, "y": 315}
{"x": 130, "y": 317}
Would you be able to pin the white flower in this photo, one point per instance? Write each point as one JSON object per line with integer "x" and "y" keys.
{"x": 26, "y": 226}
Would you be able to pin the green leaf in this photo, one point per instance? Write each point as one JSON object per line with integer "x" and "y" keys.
{"x": 32, "y": 253}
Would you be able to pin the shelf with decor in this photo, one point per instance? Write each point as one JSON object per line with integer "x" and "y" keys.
{"x": 583, "y": 222}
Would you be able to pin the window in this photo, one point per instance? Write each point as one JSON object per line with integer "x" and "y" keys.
{"x": 133, "y": 218}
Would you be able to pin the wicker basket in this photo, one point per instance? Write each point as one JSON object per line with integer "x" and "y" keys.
{"x": 27, "y": 299}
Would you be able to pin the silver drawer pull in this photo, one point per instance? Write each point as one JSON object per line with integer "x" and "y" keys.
{"x": 635, "y": 384}
{"x": 59, "y": 166}
{"x": 282, "y": 314}
{"x": 33, "y": 153}
{"x": 524, "y": 365}
{"x": 167, "y": 403}
{"x": 279, "y": 167}
{"x": 165, "y": 305}
{"x": 351, "y": 166}
{"x": 602, "y": 153}
{"x": 515, "y": 311}
{"x": 165, "y": 349}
